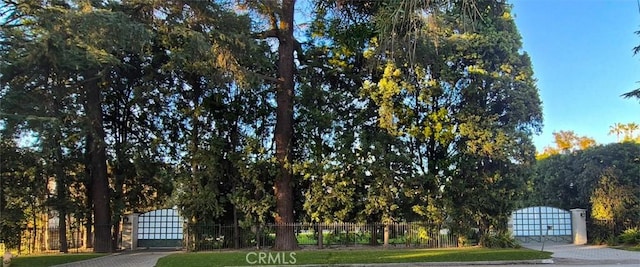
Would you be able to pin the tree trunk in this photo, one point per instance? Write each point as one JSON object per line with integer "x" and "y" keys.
{"x": 99, "y": 180}
{"x": 373, "y": 241}
{"x": 115, "y": 238}
{"x": 118, "y": 198}
{"x": 236, "y": 231}
{"x": 61, "y": 179}
{"x": 34, "y": 241}
{"x": 319, "y": 232}
{"x": 61, "y": 191}
{"x": 62, "y": 231}
{"x": 285, "y": 237}
{"x": 88, "y": 242}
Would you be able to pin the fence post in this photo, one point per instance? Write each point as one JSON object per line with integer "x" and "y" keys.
{"x": 186, "y": 235}
{"x": 386, "y": 236}
{"x": 130, "y": 231}
{"x": 236, "y": 231}
{"x": 258, "y": 236}
{"x": 6, "y": 259}
{"x": 320, "y": 236}
{"x": 579, "y": 226}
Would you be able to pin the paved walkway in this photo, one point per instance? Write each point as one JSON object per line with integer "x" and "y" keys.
{"x": 138, "y": 258}
{"x": 587, "y": 254}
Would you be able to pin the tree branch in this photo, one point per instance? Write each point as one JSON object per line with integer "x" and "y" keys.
{"x": 273, "y": 33}
{"x": 298, "y": 48}
{"x": 634, "y": 93}
{"x": 9, "y": 26}
{"x": 262, "y": 76}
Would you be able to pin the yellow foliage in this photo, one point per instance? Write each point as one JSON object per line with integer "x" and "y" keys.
{"x": 338, "y": 63}
{"x": 548, "y": 151}
{"x": 464, "y": 36}
{"x": 387, "y": 88}
{"x": 475, "y": 69}
{"x": 599, "y": 211}
{"x": 506, "y": 68}
{"x": 369, "y": 53}
{"x": 506, "y": 16}
{"x": 389, "y": 70}
{"x": 610, "y": 200}
{"x": 522, "y": 77}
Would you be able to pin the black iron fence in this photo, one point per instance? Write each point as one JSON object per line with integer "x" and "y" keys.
{"x": 36, "y": 240}
{"x": 42, "y": 240}
{"x": 202, "y": 237}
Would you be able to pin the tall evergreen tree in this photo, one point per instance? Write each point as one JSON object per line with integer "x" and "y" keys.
{"x": 67, "y": 42}
{"x": 468, "y": 104}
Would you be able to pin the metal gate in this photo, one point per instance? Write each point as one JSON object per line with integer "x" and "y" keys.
{"x": 541, "y": 223}
{"x": 160, "y": 228}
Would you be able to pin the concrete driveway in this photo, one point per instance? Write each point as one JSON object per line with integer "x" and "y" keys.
{"x": 587, "y": 254}
{"x": 135, "y": 258}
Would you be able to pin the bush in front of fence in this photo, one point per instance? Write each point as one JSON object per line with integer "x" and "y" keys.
{"x": 611, "y": 232}
{"x": 631, "y": 236}
{"x": 203, "y": 237}
{"x": 499, "y": 240}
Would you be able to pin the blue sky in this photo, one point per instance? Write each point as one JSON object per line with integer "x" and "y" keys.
{"x": 583, "y": 60}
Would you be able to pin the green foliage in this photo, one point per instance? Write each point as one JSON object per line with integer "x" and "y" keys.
{"x": 438, "y": 131}
{"x": 499, "y": 240}
{"x": 139, "y": 61}
{"x": 603, "y": 179}
{"x": 21, "y": 191}
{"x": 612, "y": 201}
{"x": 634, "y": 93}
{"x": 468, "y": 238}
{"x": 612, "y": 240}
{"x": 588, "y": 178}
{"x": 630, "y": 236}
{"x": 475, "y": 146}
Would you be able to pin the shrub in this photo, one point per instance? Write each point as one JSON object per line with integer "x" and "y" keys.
{"x": 596, "y": 241}
{"x": 601, "y": 232}
{"x": 499, "y": 240}
{"x": 612, "y": 241}
{"x": 463, "y": 241}
{"x": 631, "y": 236}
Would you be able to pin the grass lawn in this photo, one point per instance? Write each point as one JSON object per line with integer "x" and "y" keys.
{"x": 327, "y": 256}
{"x": 49, "y": 260}
{"x": 630, "y": 248}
